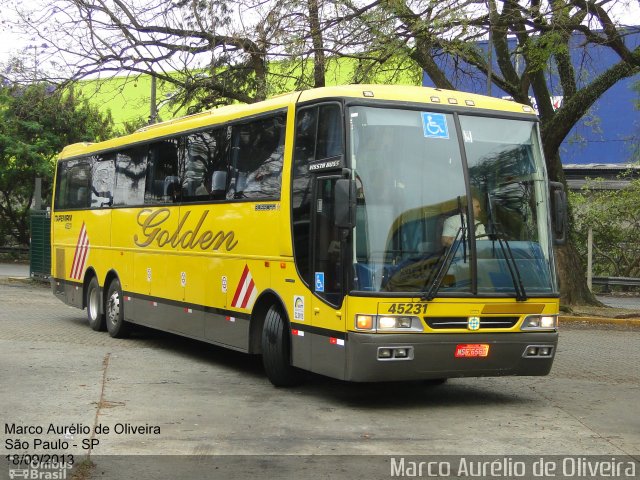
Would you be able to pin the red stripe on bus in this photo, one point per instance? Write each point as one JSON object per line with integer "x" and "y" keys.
{"x": 245, "y": 272}
{"x": 83, "y": 258}
{"x": 75, "y": 254}
{"x": 248, "y": 293}
{"x": 81, "y": 255}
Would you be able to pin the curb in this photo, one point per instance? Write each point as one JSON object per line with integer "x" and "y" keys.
{"x": 4, "y": 279}
{"x": 634, "y": 322}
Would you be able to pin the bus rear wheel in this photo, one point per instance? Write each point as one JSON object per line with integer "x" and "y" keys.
{"x": 276, "y": 351}
{"x": 114, "y": 310}
{"x": 94, "y": 303}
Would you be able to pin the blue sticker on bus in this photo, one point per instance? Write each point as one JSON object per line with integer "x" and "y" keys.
{"x": 434, "y": 125}
{"x": 319, "y": 281}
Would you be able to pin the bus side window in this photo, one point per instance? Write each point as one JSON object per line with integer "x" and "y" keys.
{"x": 329, "y": 132}
{"x": 62, "y": 185}
{"x": 220, "y": 169}
{"x": 102, "y": 181}
{"x": 73, "y": 184}
{"x": 206, "y": 167}
{"x": 131, "y": 171}
{"x": 163, "y": 181}
{"x": 198, "y": 153}
{"x": 256, "y": 157}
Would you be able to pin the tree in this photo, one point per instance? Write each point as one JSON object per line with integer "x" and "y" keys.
{"x": 221, "y": 51}
{"x": 212, "y": 53}
{"x": 206, "y": 53}
{"x": 36, "y": 122}
{"x": 439, "y": 36}
{"x": 614, "y": 218}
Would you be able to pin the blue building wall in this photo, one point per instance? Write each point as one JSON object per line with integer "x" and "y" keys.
{"x": 611, "y": 129}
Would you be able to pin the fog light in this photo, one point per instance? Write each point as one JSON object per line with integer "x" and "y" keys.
{"x": 532, "y": 351}
{"x": 545, "y": 351}
{"x": 401, "y": 353}
{"x": 384, "y": 353}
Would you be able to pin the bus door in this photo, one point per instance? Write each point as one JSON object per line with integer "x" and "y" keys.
{"x": 327, "y": 244}
{"x": 328, "y": 255}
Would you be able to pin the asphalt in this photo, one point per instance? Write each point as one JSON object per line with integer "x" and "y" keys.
{"x": 20, "y": 272}
{"x": 220, "y": 418}
{"x": 14, "y": 270}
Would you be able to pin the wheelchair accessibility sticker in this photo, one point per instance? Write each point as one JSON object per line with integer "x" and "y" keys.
{"x": 434, "y": 125}
{"x": 319, "y": 281}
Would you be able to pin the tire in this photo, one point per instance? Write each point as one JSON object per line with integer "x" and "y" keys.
{"x": 94, "y": 307}
{"x": 114, "y": 311}
{"x": 276, "y": 351}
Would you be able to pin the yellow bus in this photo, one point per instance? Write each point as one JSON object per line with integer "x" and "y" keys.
{"x": 366, "y": 233}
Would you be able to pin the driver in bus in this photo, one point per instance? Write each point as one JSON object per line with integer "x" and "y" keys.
{"x": 453, "y": 224}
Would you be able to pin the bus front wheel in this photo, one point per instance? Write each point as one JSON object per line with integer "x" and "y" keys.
{"x": 114, "y": 309}
{"x": 276, "y": 350}
{"x": 94, "y": 300}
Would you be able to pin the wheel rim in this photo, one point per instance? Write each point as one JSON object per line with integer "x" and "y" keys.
{"x": 94, "y": 303}
{"x": 113, "y": 308}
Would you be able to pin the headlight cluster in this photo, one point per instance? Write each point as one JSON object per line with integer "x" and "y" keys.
{"x": 540, "y": 322}
{"x": 388, "y": 323}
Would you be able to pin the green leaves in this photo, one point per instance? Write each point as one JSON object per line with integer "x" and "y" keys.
{"x": 614, "y": 217}
{"x": 36, "y": 122}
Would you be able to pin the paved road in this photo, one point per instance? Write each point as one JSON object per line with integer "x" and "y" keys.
{"x": 209, "y": 401}
{"x": 14, "y": 270}
{"x": 632, "y": 303}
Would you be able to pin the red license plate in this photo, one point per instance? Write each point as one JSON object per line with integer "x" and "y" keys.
{"x": 469, "y": 350}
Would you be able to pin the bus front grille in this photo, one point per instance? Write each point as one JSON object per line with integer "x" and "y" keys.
{"x": 440, "y": 323}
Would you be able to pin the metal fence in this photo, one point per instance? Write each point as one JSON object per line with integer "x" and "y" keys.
{"x": 40, "y": 249}
{"x": 602, "y": 268}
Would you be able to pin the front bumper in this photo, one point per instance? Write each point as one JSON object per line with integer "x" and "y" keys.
{"x": 432, "y": 356}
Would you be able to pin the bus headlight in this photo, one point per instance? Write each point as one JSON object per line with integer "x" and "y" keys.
{"x": 540, "y": 322}
{"x": 388, "y": 323}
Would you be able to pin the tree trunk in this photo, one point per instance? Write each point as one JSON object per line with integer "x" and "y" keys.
{"x": 572, "y": 277}
{"x": 318, "y": 44}
{"x": 571, "y": 274}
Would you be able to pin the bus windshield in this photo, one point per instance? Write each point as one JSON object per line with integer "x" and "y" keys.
{"x": 421, "y": 227}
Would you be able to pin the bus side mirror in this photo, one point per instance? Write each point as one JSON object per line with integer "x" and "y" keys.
{"x": 345, "y": 198}
{"x": 559, "y": 215}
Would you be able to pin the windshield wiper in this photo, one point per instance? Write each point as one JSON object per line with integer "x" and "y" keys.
{"x": 444, "y": 266}
{"x": 514, "y": 271}
{"x": 464, "y": 231}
